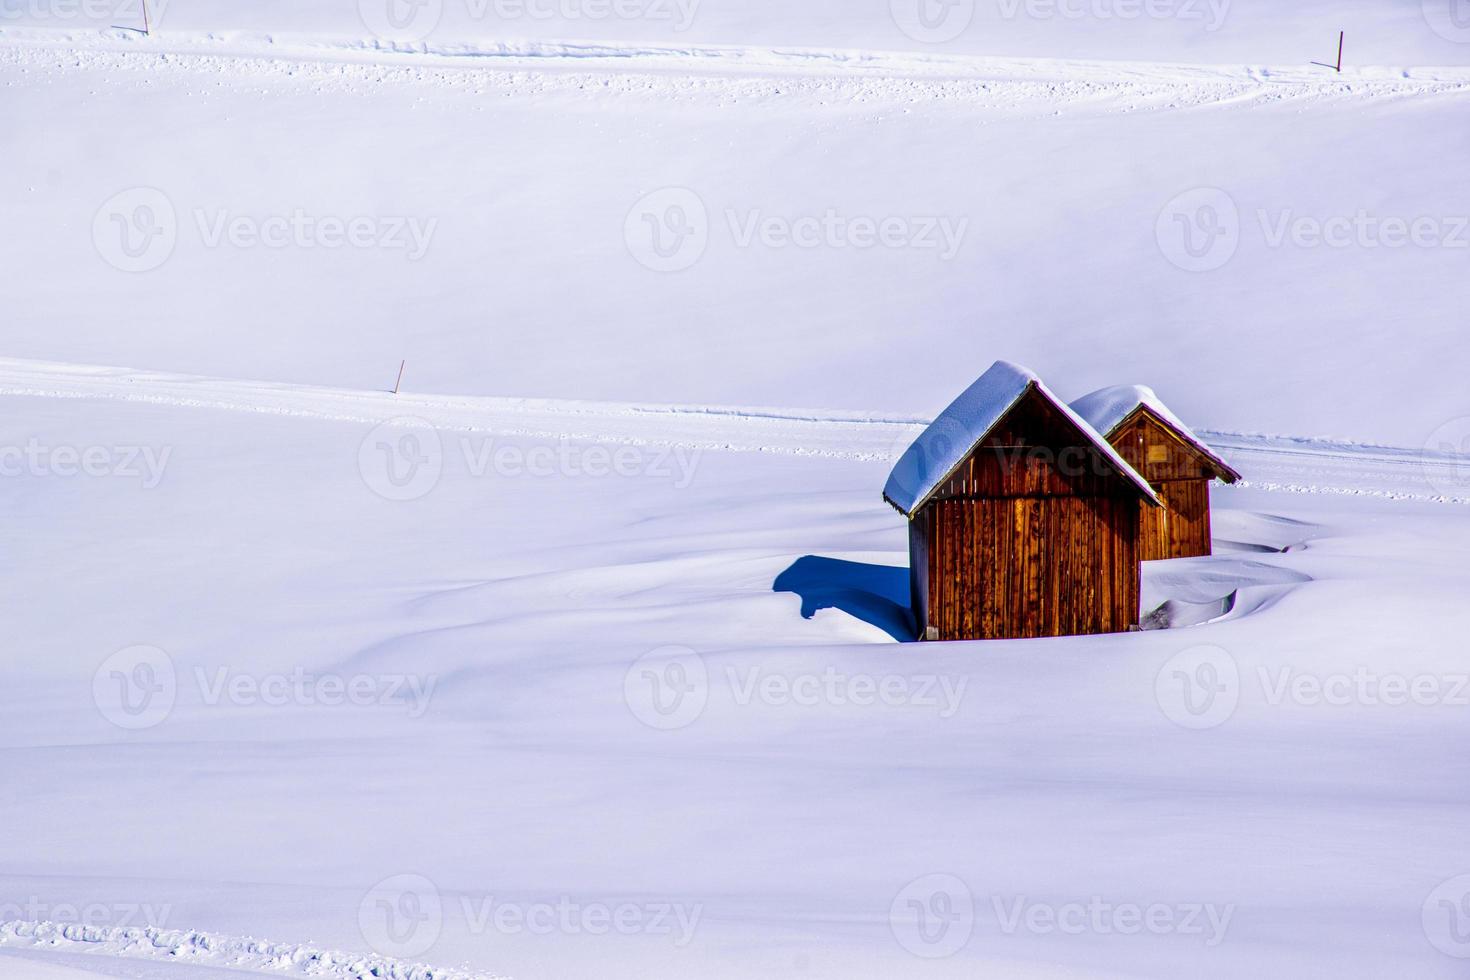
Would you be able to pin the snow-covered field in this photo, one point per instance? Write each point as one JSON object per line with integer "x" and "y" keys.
{"x": 577, "y": 658}
{"x": 829, "y": 226}
{"x": 502, "y": 752}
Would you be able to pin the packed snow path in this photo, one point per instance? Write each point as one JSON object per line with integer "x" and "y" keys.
{"x": 1028, "y": 86}
{"x": 1291, "y": 464}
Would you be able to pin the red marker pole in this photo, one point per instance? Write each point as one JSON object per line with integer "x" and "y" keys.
{"x": 1341, "y": 37}
{"x": 399, "y": 382}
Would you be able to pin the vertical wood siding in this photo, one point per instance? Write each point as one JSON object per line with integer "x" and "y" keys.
{"x": 1034, "y": 535}
{"x": 1181, "y": 475}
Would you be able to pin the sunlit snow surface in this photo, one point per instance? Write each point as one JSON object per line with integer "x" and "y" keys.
{"x": 1102, "y": 223}
{"x": 538, "y": 773}
{"x": 569, "y": 661}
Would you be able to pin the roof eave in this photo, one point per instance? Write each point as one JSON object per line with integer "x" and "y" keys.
{"x": 1224, "y": 472}
{"x": 1101, "y": 445}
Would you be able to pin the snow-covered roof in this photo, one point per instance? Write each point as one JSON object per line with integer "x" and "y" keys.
{"x": 951, "y": 437}
{"x": 1108, "y": 408}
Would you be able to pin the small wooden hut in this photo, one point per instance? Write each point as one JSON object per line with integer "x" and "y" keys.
{"x": 1178, "y": 464}
{"x": 1023, "y": 521}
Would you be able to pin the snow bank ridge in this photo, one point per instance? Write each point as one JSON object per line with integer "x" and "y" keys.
{"x": 208, "y": 949}
{"x": 1057, "y": 79}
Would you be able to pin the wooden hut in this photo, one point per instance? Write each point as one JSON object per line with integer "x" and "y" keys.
{"x": 1023, "y": 521}
{"x": 1178, "y": 465}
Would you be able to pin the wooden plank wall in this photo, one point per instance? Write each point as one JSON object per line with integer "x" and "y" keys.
{"x": 1188, "y": 505}
{"x": 1032, "y": 566}
{"x": 1181, "y": 476}
{"x": 1153, "y": 528}
{"x": 1022, "y": 544}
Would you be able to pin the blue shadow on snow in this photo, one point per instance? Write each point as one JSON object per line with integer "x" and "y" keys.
{"x": 876, "y": 594}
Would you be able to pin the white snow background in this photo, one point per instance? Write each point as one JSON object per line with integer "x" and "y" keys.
{"x": 570, "y": 662}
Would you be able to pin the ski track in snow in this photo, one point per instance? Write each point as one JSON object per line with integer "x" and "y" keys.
{"x": 1273, "y": 463}
{"x": 528, "y": 69}
{"x": 204, "y": 949}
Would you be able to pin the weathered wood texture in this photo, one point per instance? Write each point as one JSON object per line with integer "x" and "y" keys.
{"x": 1036, "y": 534}
{"x": 1181, "y": 475}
